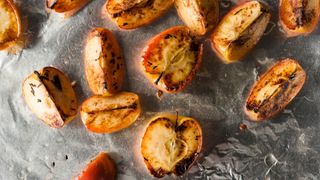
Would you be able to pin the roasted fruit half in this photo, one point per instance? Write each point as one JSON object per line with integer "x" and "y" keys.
{"x": 299, "y": 17}
{"x": 240, "y": 30}
{"x": 275, "y": 90}
{"x": 131, "y": 14}
{"x": 171, "y": 144}
{"x": 172, "y": 59}
{"x": 102, "y": 167}
{"x": 10, "y": 24}
{"x": 199, "y": 15}
{"x": 68, "y": 7}
{"x": 107, "y": 114}
{"x": 50, "y": 95}
{"x": 103, "y": 61}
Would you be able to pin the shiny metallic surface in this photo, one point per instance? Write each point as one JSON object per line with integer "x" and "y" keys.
{"x": 286, "y": 147}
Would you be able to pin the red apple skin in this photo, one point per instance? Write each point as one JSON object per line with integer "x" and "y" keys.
{"x": 101, "y": 168}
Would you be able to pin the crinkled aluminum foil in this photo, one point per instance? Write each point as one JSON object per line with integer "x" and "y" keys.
{"x": 286, "y": 147}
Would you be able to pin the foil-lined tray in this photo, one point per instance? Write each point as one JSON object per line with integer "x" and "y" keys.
{"x": 286, "y": 147}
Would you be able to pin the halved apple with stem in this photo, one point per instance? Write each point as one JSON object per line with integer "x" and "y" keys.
{"x": 199, "y": 15}
{"x": 171, "y": 144}
{"x": 275, "y": 90}
{"x": 172, "y": 59}
{"x": 10, "y": 24}
{"x": 101, "y": 168}
{"x": 299, "y": 17}
{"x": 240, "y": 30}
{"x": 131, "y": 14}
{"x": 50, "y": 95}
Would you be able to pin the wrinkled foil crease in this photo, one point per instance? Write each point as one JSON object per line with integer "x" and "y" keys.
{"x": 286, "y": 147}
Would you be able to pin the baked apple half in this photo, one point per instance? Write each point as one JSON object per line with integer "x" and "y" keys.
{"x": 10, "y": 24}
{"x": 240, "y": 30}
{"x": 102, "y": 167}
{"x": 104, "y": 66}
{"x": 172, "y": 59}
{"x": 199, "y": 15}
{"x": 107, "y": 114}
{"x": 171, "y": 144}
{"x": 67, "y": 7}
{"x": 275, "y": 90}
{"x": 131, "y": 14}
{"x": 299, "y": 17}
{"x": 50, "y": 95}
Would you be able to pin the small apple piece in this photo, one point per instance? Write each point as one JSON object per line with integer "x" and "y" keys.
{"x": 117, "y": 6}
{"x": 171, "y": 144}
{"x": 108, "y": 114}
{"x": 275, "y": 90}
{"x": 299, "y": 17}
{"x": 131, "y": 14}
{"x": 104, "y": 65}
{"x": 172, "y": 59}
{"x": 240, "y": 30}
{"x": 10, "y": 24}
{"x": 67, "y": 7}
{"x": 50, "y": 95}
{"x": 102, "y": 167}
{"x": 199, "y": 15}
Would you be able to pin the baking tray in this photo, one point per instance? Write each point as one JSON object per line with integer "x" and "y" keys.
{"x": 286, "y": 147}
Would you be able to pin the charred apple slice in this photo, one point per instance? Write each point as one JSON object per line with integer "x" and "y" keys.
{"x": 199, "y": 15}
{"x": 131, "y": 14}
{"x": 299, "y": 17}
{"x": 117, "y": 6}
{"x": 171, "y": 144}
{"x": 102, "y": 167}
{"x": 275, "y": 90}
{"x": 10, "y": 24}
{"x": 107, "y": 114}
{"x": 50, "y": 95}
{"x": 104, "y": 65}
{"x": 172, "y": 59}
{"x": 68, "y": 7}
{"x": 240, "y": 30}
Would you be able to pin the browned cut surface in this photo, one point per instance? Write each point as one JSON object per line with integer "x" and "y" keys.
{"x": 171, "y": 144}
{"x": 275, "y": 90}
{"x": 172, "y": 59}
{"x": 136, "y": 13}
{"x": 240, "y": 30}
{"x": 104, "y": 65}
{"x": 107, "y": 114}
{"x": 10, "y": 25}
{"x": 299, "y": 16}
